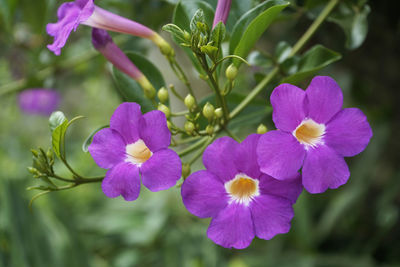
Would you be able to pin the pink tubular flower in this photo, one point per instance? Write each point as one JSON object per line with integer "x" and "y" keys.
{"x": 242, "y": 201}
{"x": 39, "y": 101}
{"x": 222, "y": 11}
{"x": 71, "y": 14}
{"x": 135, "y": 146}
{"x": 103, "y": 42}
{"x": 315, "y": 133}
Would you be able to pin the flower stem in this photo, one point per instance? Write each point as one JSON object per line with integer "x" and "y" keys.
{"x": 299, "y": 44}
{"x": 200, "y": 151}
{"x": 192, "y": 147}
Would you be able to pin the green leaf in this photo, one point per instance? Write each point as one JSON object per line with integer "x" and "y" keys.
{"x": 252, "y": 25}
{"x": 282, "y": 51}
{"x": 312, "y": 61}
{"x": 176, "y": 32}
{"x": 56, "y": 119}
{"x": 57, "y": 138}
{"x": 198, "y": 18}
{"x": 218, "y": 34}
{"x": 185, "y": 10}
{"x": 353, "y": 19}
{"x": 88, "y": 140}
{"x": 129, "y": 89}
{"x": 210, "y": 50}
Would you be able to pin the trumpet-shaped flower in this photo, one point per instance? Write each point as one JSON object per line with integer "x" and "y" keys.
{"x": 72, "y": 14}
{"x": 222, "y": 11}
{"x": 39, "y": 101}
{"x": 242, "y": 201}
{"x": 314, "y": 133}
{"x": 135, "y": 148}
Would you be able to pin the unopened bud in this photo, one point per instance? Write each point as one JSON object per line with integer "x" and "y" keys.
{"x": 164, "y": 109}
{"x": 33, "y": 170}
{"x": 262, "y": 129}
{"x": 187, "y": 36}
{"x": 189, "y": 101}
{"x": 162, "y": 95}
{"x": 185, "y": 170}
{"x": 210, "y": 129}
{"x": 219, "y": 113}
{"x": 208, "y": 111}
{"x": 189, "y": 127}
{"x": 231, "y": 72}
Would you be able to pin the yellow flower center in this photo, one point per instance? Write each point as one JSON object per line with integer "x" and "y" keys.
{"x": 309, "y": 133}
{"x": 138, "y": 153}
{"x": 242, "y": 189}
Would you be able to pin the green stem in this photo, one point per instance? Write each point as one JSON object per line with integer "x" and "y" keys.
{"x": 237, "y": 139}
{"x": 192, "y": 147}
{"x": 299, "y": 44}
{"x": 200, "y": 151}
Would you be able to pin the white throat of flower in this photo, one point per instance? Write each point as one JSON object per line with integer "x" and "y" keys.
{"x": 242, "y": 189}
{"x": 137, "y": 153}
{"x": 309, "y": 133}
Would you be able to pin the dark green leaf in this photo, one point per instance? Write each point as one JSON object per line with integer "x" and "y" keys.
{"x": 252, "y": 25}
{"x": 198, "y": 18}
{"x": 282, "y": 51}
{"x": 218, "y": 34}
{"x": 129, "y": 89}
{"x": 56, "y": 119}
{"x": 312, "y": 61}
{"x": 184, "y": 11}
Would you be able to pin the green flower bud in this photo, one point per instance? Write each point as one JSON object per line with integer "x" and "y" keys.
{"x": 187, "y": 36}
{"x": 165, "y": 110}
{"x": 189, "y": 101}
{"x": 210, "y": 129}
{"x": 219, "y": 113}
{"x": 262, "y": 129}
{"x": 162, "y": 95}
{"x": 185, "y": 170}
{"x": 231, "y": 72}
{"x": 33, "y": 170}
{"x": 208, "y": 111}
{"x": 189, "y": 127}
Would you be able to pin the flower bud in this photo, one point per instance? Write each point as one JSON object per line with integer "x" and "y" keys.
{"x": 162, "y": 95}
{"x": 187, "y": 36}
{"x": 208, "y": 111}
{"x": 262, "y": 129}
{"x": 33, "y": 170}
{"x": 231, "y": 72}
{"x": 185, "y": 170}
{"x": 210, "y": 129}
{"x": 189, "y": 127}
{"x": 165, "y": 110}
{"x": 189, "y": 101}
{"x": 219, "y": 113}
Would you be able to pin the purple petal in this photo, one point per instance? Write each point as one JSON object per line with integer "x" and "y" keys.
{"x": 70, "y": 15}
{"x": 39, "y": 101}
{"x": 203, "y": 194}
{"x": 246, "y": 157}
{"x": 271, "y": 216}
{"x": 222, "y": 11}
{"x": 280, "y": 154}
{"x": 162, "y": 170}
{"x": 107, "y": 148}
{"x": 218, "y": 158}
{"x": 232, "y": 228}
{"x": 348, "y": 133}
{"x": 154, "y": 131}
{"x": 324, "y": 98}
{"x": 125, "y": 120}
{"x": 123, "y": 179}
{"x": 289, "y": 189}
{"x": 288, "y": 104}
{"x": 324, "y": 168}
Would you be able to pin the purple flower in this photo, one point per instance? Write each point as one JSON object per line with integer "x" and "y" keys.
{"x": 315, "y": 133}
{"x": 222, "y": 11}
{"x": 242, "y": 201}
{"x": 39, "y": 101}
{"x": 135, "y": 146}
{"x": 71, "y": 14}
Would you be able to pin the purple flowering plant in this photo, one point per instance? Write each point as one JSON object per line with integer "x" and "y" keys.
{"x": 252, "y": 177}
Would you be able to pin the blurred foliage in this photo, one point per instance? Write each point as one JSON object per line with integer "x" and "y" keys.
{"x": 356, "y": 225}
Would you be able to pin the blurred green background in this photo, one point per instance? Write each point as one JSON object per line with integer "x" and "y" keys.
{"x": 356, "y": 225}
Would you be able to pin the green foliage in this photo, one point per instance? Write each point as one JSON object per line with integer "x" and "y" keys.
{"x": 310, "y": 63}
{"x": 252, "y": 25}
{"x": 129, "y": 89}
